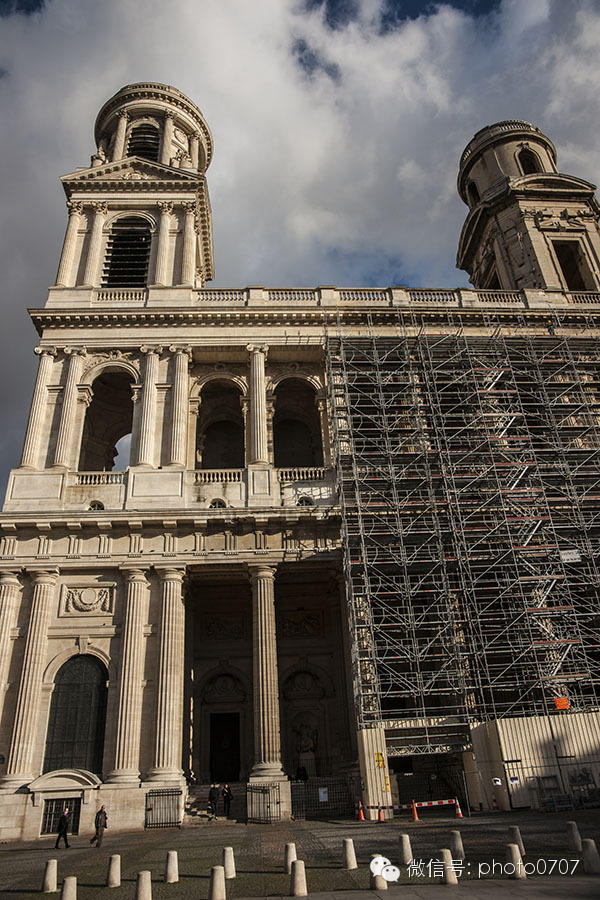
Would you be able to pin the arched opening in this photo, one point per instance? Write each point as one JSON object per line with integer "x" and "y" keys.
{"x": 108, "y": 423}
{"x": 220, "y": 441}
{"x": 472, "y": 193}
{"x": 296, "y": 426}
{"x": 529, "y": 161}
{"x": 127, "y": 253}
{"x": 77, "y": 720}
{"x": 144, "y": 141}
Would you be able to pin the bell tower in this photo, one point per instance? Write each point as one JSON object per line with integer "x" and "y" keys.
{"x": 140, "y": 214}
{"x": 529, "y": 226}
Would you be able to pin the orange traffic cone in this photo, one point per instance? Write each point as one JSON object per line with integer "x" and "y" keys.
{"x": 380, "y": 815}
{"x": 361, "y": 815}
{"x": 414, "y": 812}
{"x": 457, "y": 810}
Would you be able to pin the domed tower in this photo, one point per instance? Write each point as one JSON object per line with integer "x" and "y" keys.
{"x": 528, "y": 226}
{"x": 139, "y": 216}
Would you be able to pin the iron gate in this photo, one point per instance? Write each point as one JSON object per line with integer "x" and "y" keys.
{"x": 53, "y": 811}
{"x": 263, "y": 803}
{"x": 163, "y": 809}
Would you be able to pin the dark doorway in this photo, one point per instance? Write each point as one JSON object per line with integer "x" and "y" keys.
{"x": 224, "y": 747}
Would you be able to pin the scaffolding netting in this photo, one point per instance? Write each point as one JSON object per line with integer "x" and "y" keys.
{"x": 468, "y": 460}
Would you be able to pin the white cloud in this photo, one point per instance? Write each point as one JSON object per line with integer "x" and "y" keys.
{"x": 315, "y": 179}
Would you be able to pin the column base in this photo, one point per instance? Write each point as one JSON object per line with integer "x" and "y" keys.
{"x": 168, "y": 773}
{"x": 267, "y": 772}
{"x": 12, "y": 783}
{"x": 126, "y": 777}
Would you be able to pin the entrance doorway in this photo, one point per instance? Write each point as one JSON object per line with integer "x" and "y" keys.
{"x": 225, "y": 747}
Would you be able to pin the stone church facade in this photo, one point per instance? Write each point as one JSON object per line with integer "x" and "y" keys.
{"x": 198, "y": 613}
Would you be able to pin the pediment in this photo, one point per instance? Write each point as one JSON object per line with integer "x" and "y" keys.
{"x": 134, "y": 170}
{"x": 552, "y": 182}
{"x": 65, "y": 780}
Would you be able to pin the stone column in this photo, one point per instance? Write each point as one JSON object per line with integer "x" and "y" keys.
{"x": 145, "y": 456}
{"x": 167, "y": 141}
{"x": 169, "y": 689}
{"x": 257, "y": 430}
{"x": 179, "y": 407}
{"x": 188, "y": 258}
{"x": 321, "y": 403}
{"x": 119, "y": 144}
{"x": 91, "y": 276}
{"x": 63, "y": 450}
{"x": 194, "y": 149}
{"x": 267, "y": 737}
{"x": 67, "y": 273}
{"x": 10, "y": 589}
{"x": 37, "y": 414}
{"x": 129, "y": 713}
{"x": 162, "y": 253}
{"x": 25, "y": 729}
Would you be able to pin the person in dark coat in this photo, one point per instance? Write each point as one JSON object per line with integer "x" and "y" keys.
{"x": 63, "y": 827}
{"x": 100, "y": 823}
{"x": 213, "y": 801}
{"x": 227, "y": 798}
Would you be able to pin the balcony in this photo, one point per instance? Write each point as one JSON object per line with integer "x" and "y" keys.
{"x": 147, "y": 489}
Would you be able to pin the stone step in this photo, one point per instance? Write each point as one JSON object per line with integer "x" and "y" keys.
{"x": 196, "y": 810}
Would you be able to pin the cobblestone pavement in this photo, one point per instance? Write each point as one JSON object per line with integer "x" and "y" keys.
{"x": 259, "y": 857}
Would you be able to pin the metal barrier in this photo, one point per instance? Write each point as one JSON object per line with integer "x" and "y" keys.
{"x": 322, "y": 798}
{"x": 263, "y": 803}
{"x": 163, "y": 809}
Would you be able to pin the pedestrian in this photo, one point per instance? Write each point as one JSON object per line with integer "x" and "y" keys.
{"x": 227, "y": 798}
{"x": 100, "y": 823}
{"x": 213, "y": 801}
{"x": 63, "y": 827}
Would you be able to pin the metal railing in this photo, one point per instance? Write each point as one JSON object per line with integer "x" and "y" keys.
{"x": 163, "y": 808}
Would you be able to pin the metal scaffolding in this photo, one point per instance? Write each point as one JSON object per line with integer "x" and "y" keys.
{"x": 468, "y": 459}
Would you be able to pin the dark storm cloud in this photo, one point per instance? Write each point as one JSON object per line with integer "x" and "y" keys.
{"x": 336, "y": 148}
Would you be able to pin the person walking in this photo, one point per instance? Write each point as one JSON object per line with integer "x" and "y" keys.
{"x": 100, "y": 823}
{"x": 213, "y": 801}
{"x": 63, "y": 827}
{"x": 227, "y": 798}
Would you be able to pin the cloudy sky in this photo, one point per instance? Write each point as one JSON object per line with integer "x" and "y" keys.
{"x": 337, "y": 124}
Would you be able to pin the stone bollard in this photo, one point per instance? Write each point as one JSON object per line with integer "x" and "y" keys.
{"x": 69, "y": 888}
{"x": 591, "y": 859}
{"x": 449, "y": 872}
{"x": 349, "y": 854}
{"x": 513, "y": 857}
{"x": 49, "y": 884}
{"x": 113, "y": 877}
{"x": 172, "y": 867}
{"x": 406, "y": 854}
{"x": 143, "y": 885}
{"x": 514, "y": 836}
{"x": 298, "y": 879}
{"x": 228, "y": 862}
{"x": 378, "y": 883}
{"x": 216, "y": 890}
{"x": 573, "y": 837}
{"x": 456, "y": 845}
{"x": 289, "y": 857}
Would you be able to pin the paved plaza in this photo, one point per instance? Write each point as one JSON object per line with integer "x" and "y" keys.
{"x": 259, "y": 857}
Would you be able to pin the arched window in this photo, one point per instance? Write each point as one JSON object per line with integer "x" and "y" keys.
{"x": 296, "y": 426}
{"x": 108, "y": 420}
{"x": 75, "y": 735}
{"x": 472, "y": 193}
{"x": 529, "y": 161}
{"x": 217, "y": 504}
{"x": 144, "y": 140}
{"x": 127, "y": 253}
{"x": 220, "y": 443}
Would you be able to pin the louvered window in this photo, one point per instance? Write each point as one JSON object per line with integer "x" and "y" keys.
{"x": 127, "y": 254}
{"x": 144, "y": 140}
